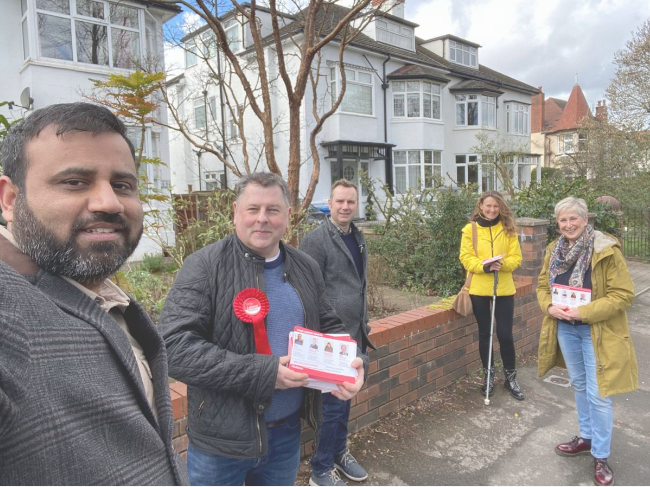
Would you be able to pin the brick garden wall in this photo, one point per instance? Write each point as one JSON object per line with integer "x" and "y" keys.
{"x": 422, "y": 350}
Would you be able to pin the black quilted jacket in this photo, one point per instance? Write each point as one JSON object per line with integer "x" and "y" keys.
{"x": 213, "y": 352}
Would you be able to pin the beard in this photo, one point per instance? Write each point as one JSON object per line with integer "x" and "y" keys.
{"x": 93, "y": 263}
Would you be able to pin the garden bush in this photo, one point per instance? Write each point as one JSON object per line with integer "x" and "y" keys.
{"x": 538, "y": 201}
{"x": 420, "y": 243}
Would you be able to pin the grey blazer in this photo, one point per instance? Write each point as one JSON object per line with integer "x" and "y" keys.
{"x": 72, "y": 406}
{"x": 346, "y": 290}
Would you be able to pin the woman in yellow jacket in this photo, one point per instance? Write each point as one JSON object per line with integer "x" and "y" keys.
{"x": 496, "y": 235}
{"x": 591, "y": 340}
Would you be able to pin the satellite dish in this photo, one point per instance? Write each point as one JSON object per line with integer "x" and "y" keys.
{"x": 25, "y": 99}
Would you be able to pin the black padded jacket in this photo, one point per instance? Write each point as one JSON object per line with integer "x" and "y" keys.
{"x": 213, "y": 352}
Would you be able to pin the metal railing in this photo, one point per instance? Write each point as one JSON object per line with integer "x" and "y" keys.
{"x": 636, "y": 232}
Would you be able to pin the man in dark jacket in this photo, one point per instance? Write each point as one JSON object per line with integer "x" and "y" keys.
{"x": 84, "y": 394}
{"x": 339, "y": 248}
{"x": 245, "y": 405}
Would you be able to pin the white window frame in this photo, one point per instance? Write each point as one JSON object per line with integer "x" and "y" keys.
{"x": 410, "y": 89}
{"x": 236, "y": 43}
{"x": 420, "y": 168}
{"x": 485, "y": 110}
{"x": 73, "y": 17}
{"x": 565, "y": 144}
{"x": 463, "y": 54}
{"x": 468, "y": 160}
{"x": 395, "y": 35}
{"x": 212, "y": 180}
{"x": 232, "y": 129}
{"x": 518, "y": 118}
{"x": 352, "y": 81}
{"x": 199, "y": 104}
{"x": 191, "y": 54}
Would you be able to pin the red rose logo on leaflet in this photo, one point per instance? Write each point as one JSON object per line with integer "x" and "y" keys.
{"x": 251, "y": 306}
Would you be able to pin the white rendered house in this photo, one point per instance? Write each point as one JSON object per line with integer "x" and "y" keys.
{"x": 51, "y": 49}
{"x": 412, "y": 110}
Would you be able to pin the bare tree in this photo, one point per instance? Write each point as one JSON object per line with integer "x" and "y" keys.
{"x": 284, "y": 60}
{"x": 629, "y": 90}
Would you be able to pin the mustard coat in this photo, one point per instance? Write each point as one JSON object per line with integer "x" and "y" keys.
{"x": 491, "y": 241}
{"x": 612, "y": 294}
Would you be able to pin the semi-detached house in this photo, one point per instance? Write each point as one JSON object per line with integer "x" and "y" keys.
{"x": 412, "y": 109}
{"x": 51, "y": 49}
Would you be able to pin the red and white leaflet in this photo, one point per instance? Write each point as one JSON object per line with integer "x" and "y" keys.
{"x": 325, "y": 358}
{"x": 569, "y": 297}
{"x": 492, "y": 259}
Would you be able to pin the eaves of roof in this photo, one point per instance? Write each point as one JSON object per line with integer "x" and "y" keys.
{"x": 454, "y": 38}
{"x": 165, "y": 5}
{"x": 474, "y": 85}
{"x": 412, "y": 71}
{"x": 230, "y": 13}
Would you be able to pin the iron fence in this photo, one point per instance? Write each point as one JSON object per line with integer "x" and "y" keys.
{"x": 636, "y": 232}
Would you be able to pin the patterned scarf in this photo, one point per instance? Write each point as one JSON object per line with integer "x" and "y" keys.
{"x": 563, "y": 256}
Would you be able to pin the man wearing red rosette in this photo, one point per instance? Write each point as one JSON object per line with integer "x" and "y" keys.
{"x": 232, "y": 303}
{"x": 339, "y": 249}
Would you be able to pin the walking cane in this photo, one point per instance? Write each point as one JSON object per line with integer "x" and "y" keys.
{"x": 489, "y": 369}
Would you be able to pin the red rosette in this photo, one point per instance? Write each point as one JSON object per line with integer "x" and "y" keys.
{"x": 251, "y": 306}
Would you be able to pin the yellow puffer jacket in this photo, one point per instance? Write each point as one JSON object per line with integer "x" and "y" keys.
{"x": 491, "y": 241}
{"x": 612, "y": 293}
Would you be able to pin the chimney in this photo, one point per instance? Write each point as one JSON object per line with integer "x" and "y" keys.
{"x": 393, "y": 7}
{"x": 537, "y": 112}
{"x": 601, "y": 111}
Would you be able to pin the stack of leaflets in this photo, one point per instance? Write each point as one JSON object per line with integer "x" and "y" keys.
{"x": 325, "y": 358}
{"x": 570, "y": 297}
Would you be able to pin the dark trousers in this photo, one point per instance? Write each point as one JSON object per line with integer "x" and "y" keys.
{"x": 331, "y": 434}
{"x": 503, "y": 315}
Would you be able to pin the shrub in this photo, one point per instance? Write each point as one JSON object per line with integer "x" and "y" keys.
{"x": 538, "y": 201}
{"x": 420, "y": 243}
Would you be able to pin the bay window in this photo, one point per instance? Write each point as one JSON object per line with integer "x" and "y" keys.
{"x": 89, "y": 31}
{"x": 416, "y": 169}
{"x": 416, "y": 99}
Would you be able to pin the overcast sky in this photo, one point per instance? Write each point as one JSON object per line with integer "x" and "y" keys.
{"x": 540, "y": 42}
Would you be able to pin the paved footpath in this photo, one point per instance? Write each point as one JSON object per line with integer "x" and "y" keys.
{"x": 451, "y": 438}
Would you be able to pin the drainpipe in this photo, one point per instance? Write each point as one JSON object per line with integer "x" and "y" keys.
{"x": 389, "y": 153}
{"x": 384, "y": 87}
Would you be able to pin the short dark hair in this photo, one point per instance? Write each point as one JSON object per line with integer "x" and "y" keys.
{"x": 264, "y": 179}
{"x": 345, "y": 184}
{"x": 67, "y": 117}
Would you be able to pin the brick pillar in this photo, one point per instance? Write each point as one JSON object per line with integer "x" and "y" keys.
{"x": 532, "y": 237}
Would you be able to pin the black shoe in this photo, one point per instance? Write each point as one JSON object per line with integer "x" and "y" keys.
{"x": 512, "y": 385}
{"x": 485, "y": 381}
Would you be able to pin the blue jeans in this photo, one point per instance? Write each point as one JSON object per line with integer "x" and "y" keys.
{"x": 331, "y": 435}
{"x": 595, "y": 414}
{"x": 278, "y": 467}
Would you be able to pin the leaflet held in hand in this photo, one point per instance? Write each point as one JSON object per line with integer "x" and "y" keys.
{"x": 325, "y": 358}
{"x": 570, "y": 297}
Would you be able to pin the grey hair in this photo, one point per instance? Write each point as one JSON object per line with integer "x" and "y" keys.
{"x": 572, "y": 204}
{"x": 264, "y": 179}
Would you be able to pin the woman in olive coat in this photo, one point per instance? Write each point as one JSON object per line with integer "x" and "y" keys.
{"x": 591, "y": 340}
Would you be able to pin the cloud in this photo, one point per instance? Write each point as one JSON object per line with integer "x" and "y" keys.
{"x": 542, "y": 43}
